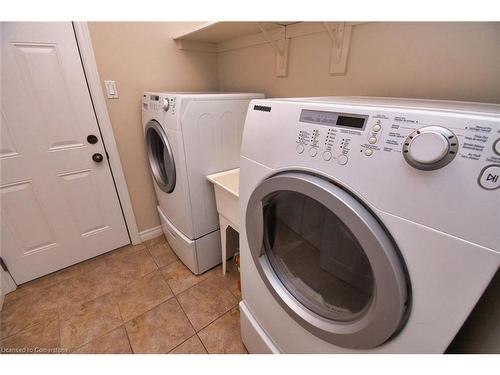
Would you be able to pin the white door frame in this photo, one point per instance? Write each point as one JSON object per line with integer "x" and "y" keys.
{"x": 94, "y": 83}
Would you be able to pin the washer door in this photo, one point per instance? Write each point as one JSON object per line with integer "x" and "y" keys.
{"x": 161, "y": 160}
{"x": 327, "y": 260}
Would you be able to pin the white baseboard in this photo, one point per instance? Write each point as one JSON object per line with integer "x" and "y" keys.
{"x": 151, "y": 233}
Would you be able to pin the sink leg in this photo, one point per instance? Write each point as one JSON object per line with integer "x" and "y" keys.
{"x": 223, "y": 241}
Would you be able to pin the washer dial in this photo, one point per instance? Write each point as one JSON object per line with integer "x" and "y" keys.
{"x": 166, "y": 104}
{"x": 430, "y": 147}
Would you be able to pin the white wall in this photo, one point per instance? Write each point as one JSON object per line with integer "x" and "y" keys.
{"x": 455, "y": 61}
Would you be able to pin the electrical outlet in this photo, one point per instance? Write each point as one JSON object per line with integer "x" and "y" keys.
{"x": 111, "y": 89}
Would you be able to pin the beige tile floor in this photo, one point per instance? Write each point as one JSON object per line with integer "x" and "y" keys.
{"x": 137, "y": 299}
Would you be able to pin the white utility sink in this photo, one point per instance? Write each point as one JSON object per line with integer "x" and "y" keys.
{"x": 227, "y": 187}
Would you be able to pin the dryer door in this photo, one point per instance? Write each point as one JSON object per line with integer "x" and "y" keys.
{"x": 161, "y": 159}
{"x": 327, "y": 260}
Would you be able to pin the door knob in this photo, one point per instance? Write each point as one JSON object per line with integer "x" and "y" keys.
{"x": 97, "y": 157}
{"x": 92, "y": 139}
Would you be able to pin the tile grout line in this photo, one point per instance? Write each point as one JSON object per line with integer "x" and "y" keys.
{"x": 96, "y": 338}
{"x": 219, "y": 317}
{"x": 192, "y": 286}
{"x": 128, "y": 339}
{"x": 105, "y": 333}
{"x": 202, "y": 343}
{"x": 21, "y": 330}
{"x": 152, "y": 308}
{"x": 206, "y": 325}
{"x": 171, "y": 350}
{"x": 29, "y": 326}
{"x": 184, "y": 312}
{"x": 59, "y": 325}
{"x": 145, "y": 312}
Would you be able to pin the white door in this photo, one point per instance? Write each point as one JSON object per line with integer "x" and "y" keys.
{"x": 58, "y": 205}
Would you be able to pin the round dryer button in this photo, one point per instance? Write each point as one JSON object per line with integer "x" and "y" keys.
{"x": 428, "y": 147}
{"x": 313, "y": 151}
{"x": 368, "y": 152}
{"x": 300, "y": 149}
{"x": 376, "y": 128}
{"x": 327, "y": 155}
{"x": 342, "y": 159}
{"x": 496, "y": 146}
{"x": 372, "y": 140}
{"x": 489, "y": 178}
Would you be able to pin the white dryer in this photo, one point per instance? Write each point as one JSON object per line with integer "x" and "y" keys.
{"x": 367, "y": 224}
{"x": 188, "y": 136}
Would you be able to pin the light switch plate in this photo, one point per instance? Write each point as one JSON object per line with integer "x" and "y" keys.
{"x": 111, "y": 90}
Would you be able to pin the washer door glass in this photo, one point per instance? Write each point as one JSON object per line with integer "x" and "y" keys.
{"x": 161, "y": 160}
{"x": 327, "y": 260}
{"x": 316, "y": 256}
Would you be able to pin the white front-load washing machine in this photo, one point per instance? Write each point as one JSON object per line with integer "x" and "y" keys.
{"x": 188, "y": 136}
{"x": 367, "y": 224}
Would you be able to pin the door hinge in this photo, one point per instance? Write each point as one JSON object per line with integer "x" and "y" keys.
{"x": 4, "y": 266}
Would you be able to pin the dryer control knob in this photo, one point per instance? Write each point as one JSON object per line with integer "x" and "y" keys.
{"x": 430, "y": 147}
{"x": 166, "y": 104}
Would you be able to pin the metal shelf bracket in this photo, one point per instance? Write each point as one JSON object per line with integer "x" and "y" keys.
{"x": 281, "y": 49}
{"x": 340, "y": 35}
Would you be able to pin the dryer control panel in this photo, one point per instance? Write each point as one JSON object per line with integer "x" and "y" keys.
{"x": 426, "y": 145}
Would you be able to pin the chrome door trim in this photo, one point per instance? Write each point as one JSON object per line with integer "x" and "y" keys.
{"x": 387, "y": 310}
{"x": 165, "y": 181}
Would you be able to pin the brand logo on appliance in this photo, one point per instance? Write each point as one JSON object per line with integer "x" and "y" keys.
{"x": 262, "y": 108}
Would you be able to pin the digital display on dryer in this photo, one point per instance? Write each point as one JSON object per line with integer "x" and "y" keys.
{"x": 333, "y": 119}
{"x": 351, "y": 122}
{"x": 154, "y": 98}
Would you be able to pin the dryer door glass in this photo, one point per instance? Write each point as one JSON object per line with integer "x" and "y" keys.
{"x": 161, "y": 160}
{"x": 327, "y": 260}
{"x": 316, "y": 256}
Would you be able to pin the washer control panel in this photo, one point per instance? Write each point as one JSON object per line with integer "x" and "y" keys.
{"x": 158, "y": 103}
